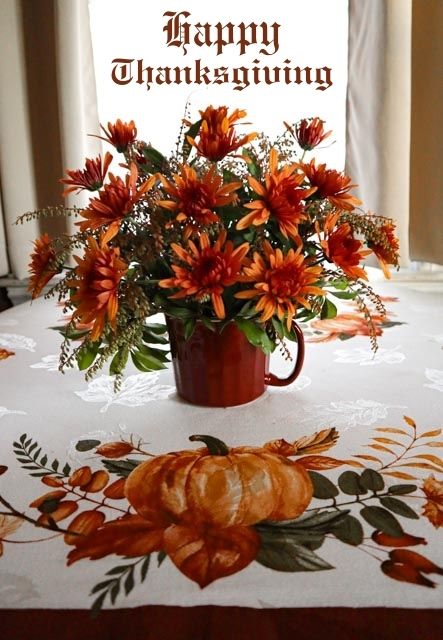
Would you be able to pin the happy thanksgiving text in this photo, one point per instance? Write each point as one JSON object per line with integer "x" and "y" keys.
{"x": 253, "y": 38}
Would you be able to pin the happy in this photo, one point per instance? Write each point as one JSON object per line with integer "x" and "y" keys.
{"x": 181, "y": 33}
